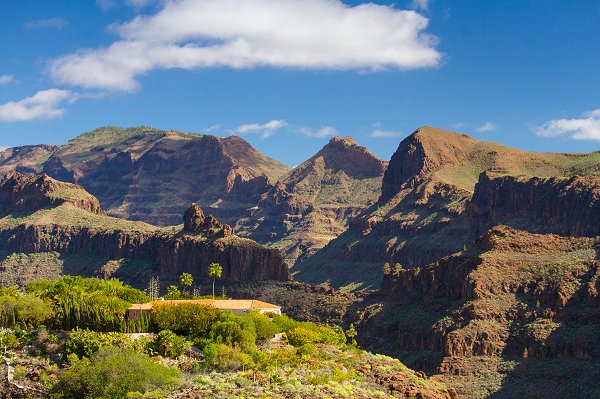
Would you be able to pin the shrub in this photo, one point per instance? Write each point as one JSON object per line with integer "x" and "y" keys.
{"x": 24, "y": 311}
{"x": 238, "y": 331}
{"x": 299, "y": 336}
{"x": 85, "y": 343}
{"x": 226, "y": 358}
{"x": 263, "y": 325}
{"x": 112, "y": 373}
{"x": 185, "y": 319}
{"x": 167, "y": 343}
{"x": 307, "y": 350}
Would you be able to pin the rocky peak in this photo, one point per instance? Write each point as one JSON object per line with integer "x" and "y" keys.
{"x": 344, "y": 154}
{"x": 193, "y": 218}
{"x": 29, "y": 193}
{"x": 423, "y": 152}
{"x": 195, "y": 222}
{"x": 347, "y": 141}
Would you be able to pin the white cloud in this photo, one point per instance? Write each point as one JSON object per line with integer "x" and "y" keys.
{"x": 585, "y": 128}
{"x": 55, "y": 23}
{"x": 420, "y": 4}
{"x": 323, "y": 131}
{"x": 264, "y": 130}
{"x": 106, "y": 4}
{"x": 211, "y": 128}
{"x": 6, "y": 79}
{"x": 385, "y": 133}
{"x": 310, "y": 34}
{"x": 45, "y": 104}
{"x": 486, "y": 127}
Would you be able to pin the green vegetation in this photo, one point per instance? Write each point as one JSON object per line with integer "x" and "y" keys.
{"x": 87, "y": 352}
{"x": 91, "y": 303}
{"x": 114, "y": 373}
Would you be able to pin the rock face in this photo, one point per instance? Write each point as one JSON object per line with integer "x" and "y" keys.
{"x": 62, "y": 217}
{"x": 313, "y": 203}
{"x": 152, "y": 176}
{"x": 195, "y": 222}
{"x": 564, "y": 206}
{"x": 23, "y": 193}
{"x": 525, "y": 289}
{"x": 420, "y": 215}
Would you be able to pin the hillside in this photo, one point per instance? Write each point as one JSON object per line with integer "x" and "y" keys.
{"x": 153, "y": 175}
{"x": 514, "y": 315}
{"x": 313, "y": 203}
{"x": 426, "y": 187}
{"x": 41, "y": 215}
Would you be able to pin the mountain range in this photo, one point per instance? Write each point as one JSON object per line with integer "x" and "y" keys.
{"x": 472, "y": 261}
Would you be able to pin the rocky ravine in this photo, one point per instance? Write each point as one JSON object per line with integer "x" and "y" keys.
{"x": 516, "y": 312}
{"x": 419, "y": 217}
{"x": 62, "y": 217}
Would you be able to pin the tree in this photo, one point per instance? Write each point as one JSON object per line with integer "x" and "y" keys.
{"x": 215, "y": 271}
{"x": 186, "y": 280}
{"x": 173, "y": 292}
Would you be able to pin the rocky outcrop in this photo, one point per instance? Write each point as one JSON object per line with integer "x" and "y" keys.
{"x": 195, "y": 222}
{"x": 203, "y": 240}
{"x": 421, "y": 215}
{"x": 28, "y": 193}
{"x": 568, "y": 206}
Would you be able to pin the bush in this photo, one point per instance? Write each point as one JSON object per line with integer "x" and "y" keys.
{"x": 185, "y": 319}
{"x": 26, "y": 311}
{"x": 112, "y": 373}
{"x": 226, "y": 358}
{"x": 167, "y": 343}
{"x": 263, "y": 325}
{"x": 234, "y": 330}
{"x": 85, "y": 343}
{"x": 299, "y": 336}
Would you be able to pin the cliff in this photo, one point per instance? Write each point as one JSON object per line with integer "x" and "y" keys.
{"x": 421, "y": 217}
{"x": 511, "y": 297}
{"x": 567, "y": 206}
{"x": 314, "y": 202}
{"x": 54, "y": 219}
{"x": 153, "y": 175}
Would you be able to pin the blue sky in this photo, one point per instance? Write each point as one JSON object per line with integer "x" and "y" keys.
{"x": 287, "y": 77}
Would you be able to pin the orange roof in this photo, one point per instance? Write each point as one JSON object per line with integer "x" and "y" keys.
{"x": 217, "y": 303}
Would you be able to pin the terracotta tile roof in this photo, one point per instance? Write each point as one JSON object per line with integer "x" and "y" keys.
{"x": 217, "y": 303}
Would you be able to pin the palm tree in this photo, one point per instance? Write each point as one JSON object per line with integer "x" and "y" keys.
{"x": 186, "y": 280}
{"x": 173, "y": 292}
{"x": 215, "y": 271}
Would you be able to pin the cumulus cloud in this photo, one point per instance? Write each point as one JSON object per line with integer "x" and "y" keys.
{"x": 487, "y": 127}
{"x": 264, "y": 130}
{"x": 585, "y": 128}
{"x": 309, "y": 34}
{"x": 378, "y": 133}
{"x": 45, "y": 104}
{"x": 55, "y": 23}
{"x": 6, "y": 79}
